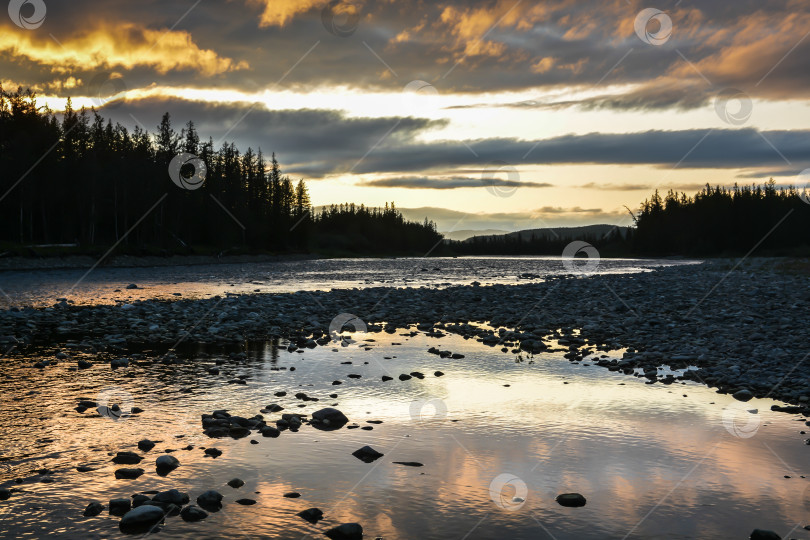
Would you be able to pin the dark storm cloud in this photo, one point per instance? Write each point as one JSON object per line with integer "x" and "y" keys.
{"x": 316, "y": 143}
{"x": 456, "y": 182}
{"x": 455, "y": 45}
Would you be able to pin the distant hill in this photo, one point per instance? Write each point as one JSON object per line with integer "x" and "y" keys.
{"x": 558, "y": 233}
{"x": 469, "y": 233}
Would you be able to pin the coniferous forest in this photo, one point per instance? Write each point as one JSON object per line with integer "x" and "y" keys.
{"x": 77, "y": 179}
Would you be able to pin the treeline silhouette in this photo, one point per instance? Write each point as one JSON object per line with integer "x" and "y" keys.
{"x": 78, "y": 179}
{"x": 615, "y": 242}
{"x": 719, "y": 221}
{"x": 716, "y": 221}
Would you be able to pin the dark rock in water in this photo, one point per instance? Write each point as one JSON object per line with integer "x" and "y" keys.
{"x": 347, "y": 531}
{"x": 438, "y": 373}
{"x": 213, "y": 452}
{"x": 113, "y": 413}
{"x": 193, "y": 513}
{"x": 313, "y": 515}
{"x": 367, "y": 454}
{"x": 409, "y": 463}
{"x": 138, "y": 500}
{"x": 387, "y": 378}
{"x": 119, "y": 363}
{"x": 280, "y": 394}
{"x": 236, "y": 483}
{"x": 145, "y": 445}
{"x": 87, "y": 404}
{"x": 4, "y": 494}
{"x": 245, "y": 502}
{"x": 743, "y": 394}
{"x": 760, "y": 534}
{"x": 571, "y": 500}
{"x": 84, "y": 364}
{"x": 328, "y": 419}
{"x": 269, "y": 431}
{"x": 127, "y": 458}
{"x": 456, "y": 356}
{"x": 237, "y": 432}
{"x": 93, "y": 509}
{"x": 119, "y": 507}
{"x": 141, "y": 519}
{"x": 166, "y": 464}
{"x": 210, "y": 500}
{"x": 292, "y": 495}
{"x": 274, "y": 408}
{"x": 417, "y": 374}
{"x": 405, "y": 377}
{"x": 128, "y": 474}
{"x": 171, "y": 497}
{"x": 131, "y": 286}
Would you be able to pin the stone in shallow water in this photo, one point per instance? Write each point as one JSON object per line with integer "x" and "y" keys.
{"x": 193, "y": 513}
{"x": 119, "y": 507}
{"x": 128, "y": 473}
{"x": 127, "y": 458}
{"x": 145, "y": 445}
{"x": 313, "y": 515}
{"x": 210, "y": 500}
{"x": 245, "y": 502}
{"x": 93, "y": 509}
{"x": 236, "y": 483}
{"x": 346, "y": 531}
{"x": 760, "y": 534}
{"x": 166, "y": 464}
{"x": 292, "y": 495}
{"x": 571, "y": 500}
{"x": 141, "y": 519}
{"x": 367, "y": 454}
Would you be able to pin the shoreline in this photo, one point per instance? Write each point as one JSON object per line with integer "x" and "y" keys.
{"x": 72, "y": 262}
{"x": 740, "y": 328}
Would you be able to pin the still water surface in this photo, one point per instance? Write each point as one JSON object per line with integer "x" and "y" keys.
{"x": 653, "y": 461}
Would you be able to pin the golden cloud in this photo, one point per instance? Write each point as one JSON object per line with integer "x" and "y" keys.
{"x": 123, "y": 45}
{"x": 281, "y": 12}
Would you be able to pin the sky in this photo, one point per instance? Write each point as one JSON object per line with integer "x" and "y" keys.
{"x": 498, "y": 114}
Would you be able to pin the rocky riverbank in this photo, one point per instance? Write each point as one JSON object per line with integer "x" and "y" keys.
{"x": 744, "y": 329}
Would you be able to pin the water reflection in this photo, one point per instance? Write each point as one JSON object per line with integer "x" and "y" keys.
{"x": 650, "y": 461}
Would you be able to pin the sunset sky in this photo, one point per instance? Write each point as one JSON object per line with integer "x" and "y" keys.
{"x": 503, "y": 114}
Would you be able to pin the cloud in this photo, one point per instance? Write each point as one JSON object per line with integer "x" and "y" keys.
{"x": 317, "y": 143}
{"x": 122, "y": 46}
{"x": 422, "y": 182}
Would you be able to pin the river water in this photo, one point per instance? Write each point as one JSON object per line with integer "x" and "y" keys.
{"x": 653, "y": 461}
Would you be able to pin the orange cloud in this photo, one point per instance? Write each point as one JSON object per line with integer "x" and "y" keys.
{"x": 123, "y": 45}
{"x": 281, "y": 12}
